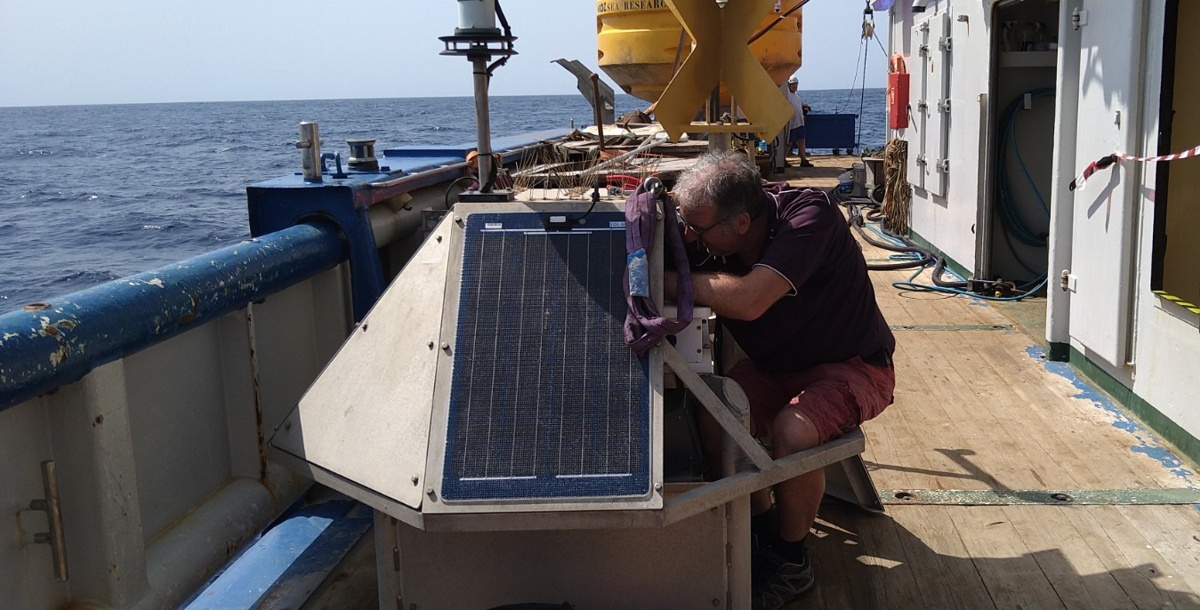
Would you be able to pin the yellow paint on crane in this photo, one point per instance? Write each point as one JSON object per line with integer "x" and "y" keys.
{"x": 637, "y": 42}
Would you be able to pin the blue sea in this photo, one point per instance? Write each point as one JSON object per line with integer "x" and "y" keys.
{"x": 94, "y": 193}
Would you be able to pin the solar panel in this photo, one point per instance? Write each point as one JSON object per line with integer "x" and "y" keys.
{"x": 546, "y": 400}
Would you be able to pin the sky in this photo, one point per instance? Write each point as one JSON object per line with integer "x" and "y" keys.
{"x": 56, "y": 52}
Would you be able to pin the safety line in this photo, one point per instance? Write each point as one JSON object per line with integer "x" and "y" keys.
{"x": 1108, "y": 160}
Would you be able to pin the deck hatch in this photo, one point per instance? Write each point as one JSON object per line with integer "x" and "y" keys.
{"x": 546, "y": 400}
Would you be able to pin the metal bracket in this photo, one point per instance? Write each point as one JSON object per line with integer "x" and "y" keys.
{"x": 50, "y": 506}
{"x": 1079, "y": 18}
{"x": 944, "y": 106}
{"x": 944, "y": 44}
{"x": 943, "y": 166}
{"x": 716, "y": 407}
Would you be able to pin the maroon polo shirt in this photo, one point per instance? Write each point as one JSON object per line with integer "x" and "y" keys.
{"x": 831, "y": 314}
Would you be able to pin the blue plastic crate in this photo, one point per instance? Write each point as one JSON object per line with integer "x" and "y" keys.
{"x": 833, "y": 131}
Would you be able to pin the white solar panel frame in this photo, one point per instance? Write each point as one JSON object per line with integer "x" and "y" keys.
{"x": 433, "y": 503}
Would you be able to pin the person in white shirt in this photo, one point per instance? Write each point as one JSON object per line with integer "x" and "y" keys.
{"x": 796, "y": 125}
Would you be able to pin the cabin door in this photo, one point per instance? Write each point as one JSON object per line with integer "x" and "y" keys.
{"x": 1110, "y": 103}
{"x": 1023, "y": 90}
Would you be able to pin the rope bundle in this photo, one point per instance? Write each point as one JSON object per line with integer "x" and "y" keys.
{"x": 897, "y": 195}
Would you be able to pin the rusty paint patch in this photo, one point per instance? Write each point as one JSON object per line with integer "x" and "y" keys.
{"x": 256, "y": 390}
{"x": 190, "y": 316}
{"x": 21, "y": 533}
{"x": 55, "y": 331}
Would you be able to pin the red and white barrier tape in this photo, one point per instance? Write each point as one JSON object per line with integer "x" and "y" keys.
{"x": 1106, "y": 161}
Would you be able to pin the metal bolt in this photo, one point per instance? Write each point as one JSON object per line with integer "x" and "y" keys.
{"x": 658, "y": 486}
{"x": 431, "y": 345}
{"x": 429, "y": 491}
{"x": 416, "y": 479}
{"x": 446, "y": 346}
{"x": 716, "y": 603}
{"x": 458, "y": 219}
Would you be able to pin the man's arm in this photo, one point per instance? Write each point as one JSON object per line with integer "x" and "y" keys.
{"x": 744, "y": 297}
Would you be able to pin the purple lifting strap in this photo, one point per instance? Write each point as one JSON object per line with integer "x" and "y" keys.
{"x": 644, "y": 326}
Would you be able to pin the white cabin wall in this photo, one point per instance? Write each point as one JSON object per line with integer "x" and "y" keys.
{"x": 1109, "y": 315}
{"x": 1111, "y": 117}
{"x": 948, "y": 221}
{"x": 1166, "y": 354}
{"x": 1062, "y": 200}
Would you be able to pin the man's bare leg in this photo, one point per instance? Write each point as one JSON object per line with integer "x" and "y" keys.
{"x": 798, "y": 498}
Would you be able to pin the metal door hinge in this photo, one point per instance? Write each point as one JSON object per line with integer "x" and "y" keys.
{"x": 1079, "y": 18}
{"x": 944, "y": 44}
{"x": 50, "y": 506}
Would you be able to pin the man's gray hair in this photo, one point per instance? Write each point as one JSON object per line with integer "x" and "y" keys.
{"x": 727, "y": 181}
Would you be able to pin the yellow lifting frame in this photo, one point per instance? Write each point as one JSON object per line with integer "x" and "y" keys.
{"x": 722, "y": 55}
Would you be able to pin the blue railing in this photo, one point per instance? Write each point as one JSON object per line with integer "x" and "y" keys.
{"x": 60, "y": 342}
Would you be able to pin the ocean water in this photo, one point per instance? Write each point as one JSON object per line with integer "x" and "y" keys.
{"x": 94, "y": 193}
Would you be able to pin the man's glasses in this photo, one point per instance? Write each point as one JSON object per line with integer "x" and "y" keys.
{"x": 697, "y": 231}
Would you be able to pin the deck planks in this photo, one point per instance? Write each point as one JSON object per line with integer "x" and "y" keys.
{"x": 977, "y": 409}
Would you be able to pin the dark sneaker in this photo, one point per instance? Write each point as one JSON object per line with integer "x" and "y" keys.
{"x": 806, "y": 164}
{"x": 776, "y": 581}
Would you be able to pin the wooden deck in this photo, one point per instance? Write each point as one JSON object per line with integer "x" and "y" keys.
{"x": 978, "y": 408}
{"x": 980, "y": 415}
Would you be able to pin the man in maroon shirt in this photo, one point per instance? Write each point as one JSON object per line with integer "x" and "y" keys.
{"x": 783, "y": 272}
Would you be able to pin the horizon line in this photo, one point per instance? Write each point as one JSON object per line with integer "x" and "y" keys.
{"x": 339, "y": 99}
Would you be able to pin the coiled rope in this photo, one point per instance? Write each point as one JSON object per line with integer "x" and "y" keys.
{"x": 897, "y": 194}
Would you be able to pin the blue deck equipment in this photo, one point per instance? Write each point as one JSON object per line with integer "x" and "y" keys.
{"x": 833, "y": 131}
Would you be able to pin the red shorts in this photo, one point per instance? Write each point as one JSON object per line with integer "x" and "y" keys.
{"x": 836, "y": 397}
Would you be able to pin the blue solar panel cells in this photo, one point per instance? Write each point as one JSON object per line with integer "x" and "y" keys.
{"x": 546, "y": 399}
